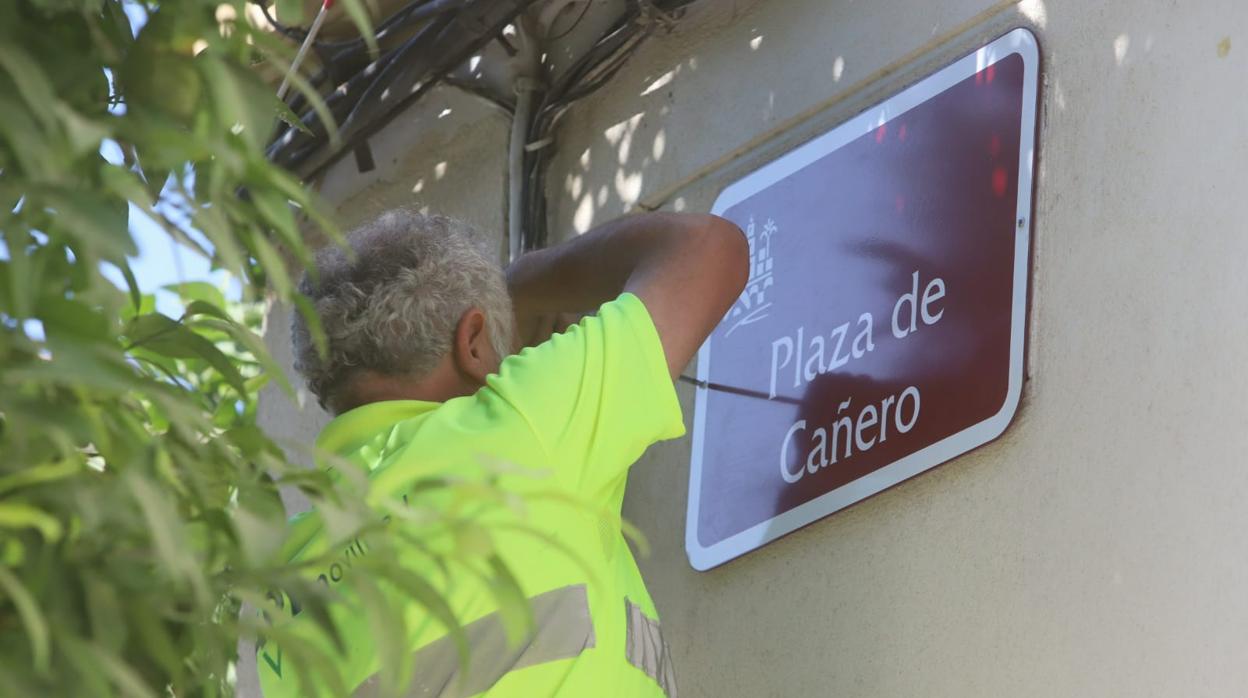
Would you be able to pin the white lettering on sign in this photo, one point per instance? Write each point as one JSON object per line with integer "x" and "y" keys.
{"x": 824, "y": 355}
{"x": 825, "y": 352}
{"x": 849, "y": 432}
{"x": 934, "y": 291}
{"x": 816, "y": 356}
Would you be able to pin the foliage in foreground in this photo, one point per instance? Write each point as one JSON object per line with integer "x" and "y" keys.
{"x": 138, "y": 499}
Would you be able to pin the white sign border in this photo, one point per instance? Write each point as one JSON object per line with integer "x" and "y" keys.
{"x": 1020, "y": 41}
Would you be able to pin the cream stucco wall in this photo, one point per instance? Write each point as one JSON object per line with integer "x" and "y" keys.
{"x": 1097, "y": 548}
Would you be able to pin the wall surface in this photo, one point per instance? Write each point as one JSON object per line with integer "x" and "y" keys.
{"x": 1098, "y": 547}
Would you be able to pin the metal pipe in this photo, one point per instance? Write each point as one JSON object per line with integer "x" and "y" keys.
{"x": 528, "y": 67}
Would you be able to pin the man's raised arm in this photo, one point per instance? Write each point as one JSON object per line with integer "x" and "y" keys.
{"x": 686, "y": 268}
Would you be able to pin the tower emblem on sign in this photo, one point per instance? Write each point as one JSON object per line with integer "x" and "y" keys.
{"x": 752, "y": 305}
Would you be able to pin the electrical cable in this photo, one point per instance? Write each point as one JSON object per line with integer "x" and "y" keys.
{"x": 358, "y": 104}
{"x": 355, "y": 103}
{"x": 576, "y": 23}
{"x": 412, "y": 12}
{"x": 296, "y": 33}
{"x": 589, "y": 73}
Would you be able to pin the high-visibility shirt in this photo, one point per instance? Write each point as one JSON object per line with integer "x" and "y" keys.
{"x": 569, "y": 416}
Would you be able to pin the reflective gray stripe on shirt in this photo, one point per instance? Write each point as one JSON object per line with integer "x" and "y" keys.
{"x": 563, "y": 629}
{"x": 647, "y": 650}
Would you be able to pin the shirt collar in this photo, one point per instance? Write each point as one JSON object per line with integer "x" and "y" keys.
{"x": 356, "y": 427}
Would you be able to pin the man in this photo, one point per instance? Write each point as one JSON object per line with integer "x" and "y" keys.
{"x": 419, "y": 322}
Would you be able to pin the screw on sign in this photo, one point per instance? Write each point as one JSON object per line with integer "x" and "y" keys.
{"x": 882, "y": 332}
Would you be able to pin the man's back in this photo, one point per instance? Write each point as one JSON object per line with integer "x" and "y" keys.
{"x": 417, "y": 321}
{"x": 564, "y": 421}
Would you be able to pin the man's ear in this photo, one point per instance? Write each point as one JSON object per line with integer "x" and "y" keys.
{"x": 473, "y": 352}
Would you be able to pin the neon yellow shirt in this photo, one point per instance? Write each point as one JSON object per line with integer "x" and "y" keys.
{"x": 579, "y": 408}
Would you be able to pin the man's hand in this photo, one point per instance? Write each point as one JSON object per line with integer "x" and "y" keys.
{"x": 688, "y": 269}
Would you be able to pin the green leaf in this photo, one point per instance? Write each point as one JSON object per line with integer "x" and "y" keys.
{"x": 39, "y": 474}
{"x": 31, "y": 149}
{"x": 119, "y": 34}
{"x": 126, "y": 185}
{"x": 260, "y": 537}
{"x": 155, "y": 638}
{"x": 122, "y": 675}
{"x": 98, "y": 223}
{"x": 250, "y": 440}
{"x": 144, "y": 328}
{"x": 83, "y": 134}
{"x": 214, "y": 225}
{"x": 19, "y": 515}
{"x": 313, "y": 320}
{"x": 315, "y": 601}
{"x": 163, "y": 335}
{"x": 24, "y": 272}
{"x": 132, "y": 285}
{"x": 276, "y": 210}
{"x": 319, "y": 107}
{"x": 168, "y": 533}
{"x": 91, "y": 678}
{"x": 78, "y": 366}
{"x": 201, "y": 307}
{"x": 279, "y": 53}
{"x": 312, "y": 206}
{"x": 389, "y": 635}
{"x": 241, "y": 100}
{"x": 201, "y": 292}
{"x": 513, "y": 605}
{"x": 422, "y": 592}
{"x": 473, "y": 541}
{"x": 32, "y": 83}
{"x": 108, "y": 627}
{"x": 359, "y": 16}
{"x": 12, "y": 553}
{"x": 32, "y": 618}
{"x": 8, "y": 20}
{"x": 253, "y": 343}
{"x": 73, "y": 318}
{"x": 316, "y": 663}
{"x": 291, "y": 119}
{"x": 130, "y": 463}
{"x": 273, "y": 264}
{"x": 146, "y": 305}
{"x": 290, "y": 12}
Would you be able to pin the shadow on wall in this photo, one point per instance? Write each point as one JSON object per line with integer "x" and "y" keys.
{"x": 446, "y": 154}
{"x": 621, "y": 169}
{"x": 624, "y": 163}
{"x": 611, "y": 176}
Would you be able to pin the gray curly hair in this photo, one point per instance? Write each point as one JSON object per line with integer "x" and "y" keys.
{"x": 390, "y": 303}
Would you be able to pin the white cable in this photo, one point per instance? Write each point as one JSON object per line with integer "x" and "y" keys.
{"x": 528, "y": 68}
{"x": 303, "y": 48}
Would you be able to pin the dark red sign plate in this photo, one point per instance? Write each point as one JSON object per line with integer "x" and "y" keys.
{"x": 882, "y": 329}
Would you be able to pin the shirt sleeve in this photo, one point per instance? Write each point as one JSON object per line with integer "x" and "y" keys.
{"x": 597, "y": 395}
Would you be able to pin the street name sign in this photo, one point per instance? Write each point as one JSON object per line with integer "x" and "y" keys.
{"x": 882, "y": 329}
